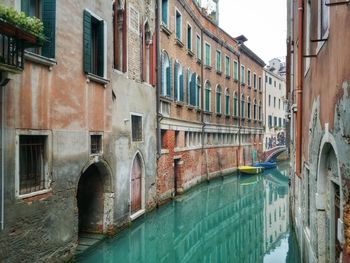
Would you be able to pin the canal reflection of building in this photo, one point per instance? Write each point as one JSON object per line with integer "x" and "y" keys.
{"x": 221, "y": 222}
{"x": 276, "y": 219}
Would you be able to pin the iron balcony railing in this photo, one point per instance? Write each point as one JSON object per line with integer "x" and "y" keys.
{"x": 11, "y": 53}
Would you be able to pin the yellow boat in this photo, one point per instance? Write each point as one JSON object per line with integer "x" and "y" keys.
{"x": 250, "y": 169}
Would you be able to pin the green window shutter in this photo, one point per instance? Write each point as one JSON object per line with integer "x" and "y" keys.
{"x": 162, "y": 72}
{"x": 227, "y": 105}
{"x": 182, "y": 87}
{"x": 207, "y": 100}
{"x": 25, "y": 6}
{"x": 49, "y": 21}
{"x": 87, "y": 42}
{"x": 189, "y": 74}
{"x": 100, "y": 51}
{"x": 193, "y": 90}
{"x": 165, "y": 12}
{"x": 218, "y": 102}
{"x": 176, "y": 70}
{"x": 235, "y": 106}
{"x": 170, "y": 77}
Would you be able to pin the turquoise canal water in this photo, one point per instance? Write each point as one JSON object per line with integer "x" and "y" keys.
{"x": 235, "y": 219}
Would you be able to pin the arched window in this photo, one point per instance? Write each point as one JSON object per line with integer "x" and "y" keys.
{"x": 179, "y": 82}
{"x": 207, "y": 97}
{"x": 119, "y": 35}
{"x": 227, "y": 102}
{"x": 191, "y": 88}
{"x": 148, "y": 51}
{"x": 218, "y": 99}
{"x": 249, "y": 107}
{"x": 242, "y": 106}
{"x": 254, "y": 110}
{"x": 198, "y": 94}
{"x": 166, "y": 75}
{"x": 235, "y": 104}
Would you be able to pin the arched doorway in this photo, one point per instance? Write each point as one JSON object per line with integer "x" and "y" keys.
{"x": 329, "y": 204}
{"x": 137, "y": 185}
{"x": 94, "y": 200}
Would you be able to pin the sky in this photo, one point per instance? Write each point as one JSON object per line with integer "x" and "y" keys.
{"x": 263, "y": 22}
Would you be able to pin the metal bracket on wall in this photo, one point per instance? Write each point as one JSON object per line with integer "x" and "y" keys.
{"x": 337, "y": 3}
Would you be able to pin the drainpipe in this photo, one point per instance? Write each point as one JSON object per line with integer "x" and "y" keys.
{"x": 238, "y": 54}
{"x": 159, "y": 78}
{"x": 299, "y": 91}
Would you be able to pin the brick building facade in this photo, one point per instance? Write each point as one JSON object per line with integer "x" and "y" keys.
{"x": 210, "y": 108}
{"x": 318, "y": 89}
{"x": 77, "y": 126}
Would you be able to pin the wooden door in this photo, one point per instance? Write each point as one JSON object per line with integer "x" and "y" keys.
{"x": 136, "y": 177}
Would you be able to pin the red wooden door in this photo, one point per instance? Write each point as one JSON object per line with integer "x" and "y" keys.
{"x": 136, "y": 185}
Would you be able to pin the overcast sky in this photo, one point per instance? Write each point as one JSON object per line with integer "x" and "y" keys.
{"x": 263, "y": 22}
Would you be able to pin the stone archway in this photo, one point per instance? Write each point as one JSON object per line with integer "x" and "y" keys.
{"x": 329, "y": 198}
{"x": 95, "y": 199}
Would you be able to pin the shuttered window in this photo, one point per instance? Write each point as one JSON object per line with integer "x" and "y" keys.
{"x": 207, "y": 55}
{"x": 235, "y": 70}
{"x": 235, "y": 101}
{"x": 178, "y": 83}
{"x": 178, "y": 23}
{"x": 165, "y": 12}
{"x": 218, "y": 99}
{"x": 93, "y": 44}
{"x": 227, "y": 103}
{"x": 46, "y": 11}
{"x": 207, "y": 97}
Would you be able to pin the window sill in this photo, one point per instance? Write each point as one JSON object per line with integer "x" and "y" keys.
{"x": 249, "y": 86}
{"x": 97, "y": 79}
{"x": 207, "y": 112}
{"x": 218, "y": 114}
{"x": 228, "y": 77}
{"x": 48, "y": 62}
{"x": 207, "y": 67}
{"x": 199, "y": 61}
{"x": 190, "y": 107}
{"x": 255, "y": 89}
{"x": 165, "y": 29}
{"x": 166, "y": 99}
{"x": 218, "y": 72}
{"x": 236, "y": 117}
{"x": 227, "y": 116}
{"x": 164, "y": 151}
{"x": 235, "y": 80}
{"x": 190, "y": 53}
{"x": 179, "y": 103}
{"x": 243, "y": 84}
{"x": 41, "y": 192}
{"x": 179, "y": 42}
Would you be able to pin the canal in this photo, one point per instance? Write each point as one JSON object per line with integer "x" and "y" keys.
{"x": 232, "y": 219}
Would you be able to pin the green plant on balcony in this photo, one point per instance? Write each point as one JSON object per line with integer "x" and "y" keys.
{"x": 31, "y": 25}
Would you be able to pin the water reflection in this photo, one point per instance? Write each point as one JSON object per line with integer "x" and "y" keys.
{"x": 238, "y": 219}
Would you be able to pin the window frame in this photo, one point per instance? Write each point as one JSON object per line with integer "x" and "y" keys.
{"x": 235, "y": 70}
{"x": 205, "y": 53}
{"x": 227, "y": 66}
{"x": 218, "y": 69}
{"x": 142, "y": 133}
{"x": 242, "y": 72}
{"x": 176, "y": 27}
{"x": 167, "y": 14}
{"x": 47, "y": 165}
{"x": 191, "y": 44}
{"x": 218, "y": 103}
{"x": 249, "y": 78}
{"x": 101, "y": 150}
{"x": 198, "y": 51}
{"x": 319, "y": 26}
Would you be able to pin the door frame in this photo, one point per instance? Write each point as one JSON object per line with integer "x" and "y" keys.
{"x": 142, "y": 210}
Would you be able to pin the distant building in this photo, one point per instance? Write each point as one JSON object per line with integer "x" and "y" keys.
{"x": 318, "y": 92}
{"x": 274, "y": 105}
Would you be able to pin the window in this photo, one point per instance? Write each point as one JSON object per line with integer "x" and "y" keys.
{"x": 260, "y": 113}
{"x": 249, "y": 108}
{"x": 198, "y": 47}
{"x": 279, "y": 103}
{"x": 242, "y": 74}
{"x": 254, "y": 81}
{"x": 307, "y": 35}
{"x": 249, "y": 78}
{"x": 254, "y": 110}
{"x": 275, "y": 121}
{"x": 32, "y": 163}
{"x": 259, "y": 84}
{"x": 198, "y": 95}
{"x": 189, "y": 37}
{"x": 46, "y": 11}
{"x": 235, "y": 70}
{"x": 270, "y": 121}
{"x": 148, "y": 56}
{"x": 178, "y": 25}
{"x": 227, "y": 66}
{"x": 269, "y": 100}
{"x": 95, "y": 144}
{"x": 119, "y": 37}
{"x": 279, "y": 122}
{"x": 274, "y": 102}
{"x": 136, "y": 128}
{"x": 242, "y": 107}
{"x": 178, "y": 82}
{"x": 207, "y": 96}
{"x": 207, "y": 55}
{"x": 191, "y": 88}
{"x": 270, "y": 80}
{"x": 235, "y": 104}
{"x": 279, "y": 86}
{"x": 166, "y": 75}
{"x": 266, "y": 79}
{"x": 323, "y": 19}
{"x": 218, "y": 99}
{"x": 274, "y": 83}
{"x": 218, "y": 61}
{"x": 165, "y": 12}
{"x": 227, "y": 102}
{"x": 94, "y": 56}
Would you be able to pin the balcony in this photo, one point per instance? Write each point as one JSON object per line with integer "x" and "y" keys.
{"x": 13, "y": 42}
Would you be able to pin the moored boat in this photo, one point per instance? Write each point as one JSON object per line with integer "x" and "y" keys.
{"x": 250, "y": 169}
{"x": 266, "y": 165}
